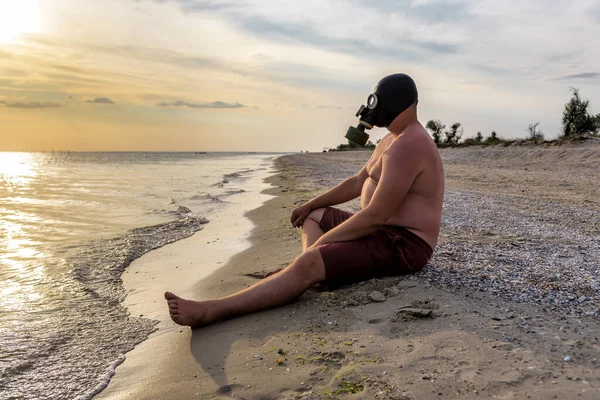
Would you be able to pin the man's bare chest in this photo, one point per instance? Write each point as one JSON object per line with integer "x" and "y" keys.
{"x": 375, "y": 164}
{"x": 374, "y": 169}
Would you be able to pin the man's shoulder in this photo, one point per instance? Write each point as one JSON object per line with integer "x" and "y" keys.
{"x": 413, "y": 139}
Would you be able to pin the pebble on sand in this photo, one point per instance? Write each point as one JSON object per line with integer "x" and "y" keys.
{"x": 377, "y": 296}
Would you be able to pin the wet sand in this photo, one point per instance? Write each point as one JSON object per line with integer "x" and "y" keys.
{"x": 507, "y": 308}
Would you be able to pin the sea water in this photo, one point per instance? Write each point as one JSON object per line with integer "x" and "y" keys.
{"x": 70, "y": 223}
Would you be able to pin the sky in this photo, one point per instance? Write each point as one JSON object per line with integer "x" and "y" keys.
{"x": 258, "y": 75}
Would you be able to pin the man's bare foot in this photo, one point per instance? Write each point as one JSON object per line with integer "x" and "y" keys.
{"x": 188, "y": 312}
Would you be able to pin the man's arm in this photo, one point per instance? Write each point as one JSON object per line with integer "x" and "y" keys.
{"x": 401, "y": 164}
{"x": 345, "y": 191}
{"x": 341, "y": 193}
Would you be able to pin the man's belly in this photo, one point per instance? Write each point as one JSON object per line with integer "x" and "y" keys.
{"x": 415, "y": 213}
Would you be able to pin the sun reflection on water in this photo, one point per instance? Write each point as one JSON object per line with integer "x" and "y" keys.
{"x": 18, "y": 280}
{"x": 16, "y": 168}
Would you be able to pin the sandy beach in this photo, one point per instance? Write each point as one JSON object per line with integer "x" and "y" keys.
{"x": 507, "y": 308}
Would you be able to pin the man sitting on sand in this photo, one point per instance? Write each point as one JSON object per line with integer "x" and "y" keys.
{"x": 401, "y": 191}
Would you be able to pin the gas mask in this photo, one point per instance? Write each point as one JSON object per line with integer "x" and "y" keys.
{"x": 392, "y": 95}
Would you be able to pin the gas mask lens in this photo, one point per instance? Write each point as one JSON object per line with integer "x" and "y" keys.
{"x": 372, "y": 101}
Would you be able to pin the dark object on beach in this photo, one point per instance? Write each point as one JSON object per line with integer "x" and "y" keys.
{"x": 409, "y": 313}
{"x": 255, "y": 275}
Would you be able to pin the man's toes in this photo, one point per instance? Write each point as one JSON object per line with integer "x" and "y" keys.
{"x": 170, "y": 296}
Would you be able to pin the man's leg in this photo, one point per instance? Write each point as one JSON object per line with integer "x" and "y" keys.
{"x": 270, "y": 292}
{"x": 311, "y": 230}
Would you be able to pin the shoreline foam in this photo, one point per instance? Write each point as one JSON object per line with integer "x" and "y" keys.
{"x": 179, "y": 266}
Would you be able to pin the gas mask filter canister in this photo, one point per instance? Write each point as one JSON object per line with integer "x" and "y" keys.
{"x": 392, "y": 95}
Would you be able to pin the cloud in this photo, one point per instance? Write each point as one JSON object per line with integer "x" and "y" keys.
{"x": 329, "y": 108}
{"x": 501, "y": 70}
{"x": 287, "y": 31}
{"x": 595, "y": 12}
{"x": 562, "y": 56}
{"x": 101, "y": 100}
{"x": 431, "y": 11}
{"x": 68, "y": 68}
{"x": 214, "y": 104}
{"x": 31, "y": 104}
{"x": 12, "y": 72}
{"x": 394, "y": 30}
{"x": 164, "y": 56}
{"x": 583, "y": 75}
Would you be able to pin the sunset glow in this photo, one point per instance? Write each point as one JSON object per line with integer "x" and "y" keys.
{"x": 177, "y": 75}
{"x": 18, "y": 17}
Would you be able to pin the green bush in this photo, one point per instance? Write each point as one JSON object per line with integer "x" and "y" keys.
{"x": 535, "y": 134}
{"x": 577, "y": 120}
{"x": 436, "y": 128}
{"x": 494, "y": 139}
{"x": 453, "y": 134}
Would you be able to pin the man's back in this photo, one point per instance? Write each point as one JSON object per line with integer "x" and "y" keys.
{"x": 421, "y": 208}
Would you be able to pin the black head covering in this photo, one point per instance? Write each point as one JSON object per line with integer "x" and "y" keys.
{"x": 395, "y": 93}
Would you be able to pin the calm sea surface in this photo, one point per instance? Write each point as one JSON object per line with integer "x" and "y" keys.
{"x": 70, "y": 223}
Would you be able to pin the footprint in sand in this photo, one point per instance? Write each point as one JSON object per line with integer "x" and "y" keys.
{"x": 229, "y": 389}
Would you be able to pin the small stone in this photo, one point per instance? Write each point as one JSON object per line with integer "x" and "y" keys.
{"x": 377, "y": 296}
{"x": 426, "y": 377}
{"x": 415, "y": 312}
{"x": 567, "y": 358}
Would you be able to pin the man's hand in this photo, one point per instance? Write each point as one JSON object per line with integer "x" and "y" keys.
{"x": 299, "y": 215}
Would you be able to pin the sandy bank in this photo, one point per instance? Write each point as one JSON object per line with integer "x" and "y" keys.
{"x": 488, "y": 317}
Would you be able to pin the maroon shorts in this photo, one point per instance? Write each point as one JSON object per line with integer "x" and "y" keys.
{"x": 391, "y": 250}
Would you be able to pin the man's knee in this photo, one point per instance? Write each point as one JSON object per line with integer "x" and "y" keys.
{"x": 316, "y": 215}
{"x": 310, "y": 267}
